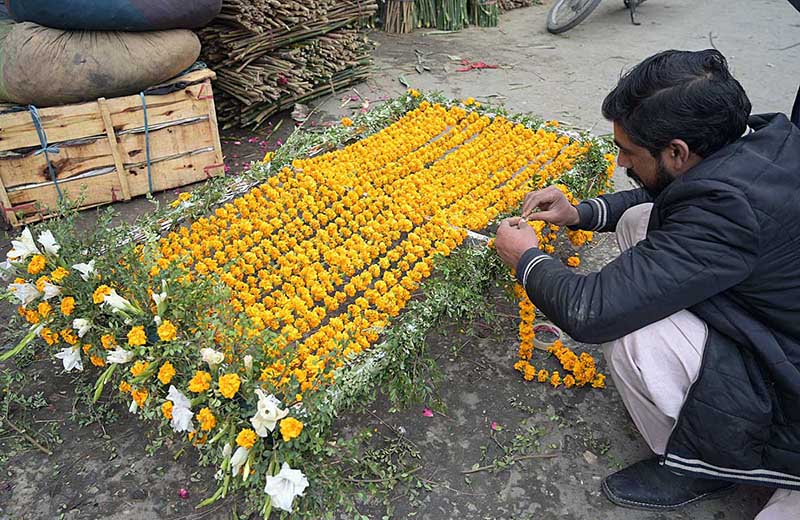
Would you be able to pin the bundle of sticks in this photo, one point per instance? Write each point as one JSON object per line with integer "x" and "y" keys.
{"x": 399, "y": 16}
{"x": 484, "y": 13}
{"x": 269, "y": 54}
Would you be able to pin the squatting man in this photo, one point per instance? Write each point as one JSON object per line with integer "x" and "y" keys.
{"x": 699, "y": 316}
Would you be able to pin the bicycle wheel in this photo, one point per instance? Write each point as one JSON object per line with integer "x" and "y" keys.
{"x": 566, "y": 14}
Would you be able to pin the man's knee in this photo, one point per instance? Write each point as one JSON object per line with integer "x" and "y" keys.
{"x": 632, "y": 225}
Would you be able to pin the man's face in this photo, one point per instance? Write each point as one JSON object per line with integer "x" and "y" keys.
{"x": 640, "y": 166}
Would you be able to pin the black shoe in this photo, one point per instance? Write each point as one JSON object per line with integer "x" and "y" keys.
{"x": 650, "y": 486}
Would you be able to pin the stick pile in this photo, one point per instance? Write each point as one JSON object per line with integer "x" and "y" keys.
{"x": 270, "y": 54}
{"x": 507, "y": 5}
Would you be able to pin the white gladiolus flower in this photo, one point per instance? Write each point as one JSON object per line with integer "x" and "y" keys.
{"x": 6, "y": 270}
{"x": 22, "y": 248}
{"x": 24, "y": 292}
{"x": 157, "y": 320}
{"x": 82, "y": 326}
{"x": 134, "y": 407}
{"x": 120, "y": 356}
{"x": 118, "y": 303}
{"x": 248, "y": 362}
{"x": 181, "y": 411}
{"x": 212, "y": 357}
{"x": 284, "y": 486}
{"x": 71, "y": 357}
{"x": 51, "y": 291}
{"x": 268, "y": 414}
{"x": 48, "y": 241}
{"x": 238, "y": 459}
{"x": 85, "y": 269}
{"x": 160, "y": 298}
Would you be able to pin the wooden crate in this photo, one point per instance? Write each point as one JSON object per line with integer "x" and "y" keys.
{"x": 97, "y": 150}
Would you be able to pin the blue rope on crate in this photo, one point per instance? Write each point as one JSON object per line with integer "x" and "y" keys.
{"x": 147, "y": 145}
{"x": 47, "y": 149}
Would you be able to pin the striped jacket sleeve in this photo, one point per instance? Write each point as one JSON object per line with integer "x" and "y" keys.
{"x": 603, "y": 213}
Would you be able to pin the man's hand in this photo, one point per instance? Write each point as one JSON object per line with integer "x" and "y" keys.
{"x": 514, "y": 237}
{"x": 553, "y": 205}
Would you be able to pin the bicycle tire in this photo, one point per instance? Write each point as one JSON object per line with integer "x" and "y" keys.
{"x": 554, "y": 27}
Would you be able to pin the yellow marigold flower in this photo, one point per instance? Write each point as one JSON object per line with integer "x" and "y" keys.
{"x": 67, "y": 305}
{"x": 31, "y": 316}
{"x": 59, "y": 274}
{"x": 290, "y": 428}
{"x": 167, "y": 331}
{"x": 100, "y": 294}
{"x": 136, "y": 336}
{"x": 246, "y": 438}
{"x": 40, "y": 282}
{"x": 50, "y": 337}
{"x": 207, "y": 419}
{"x": 346, "y": 121}
{"x": 599, "y": 381}
{"x": 573, "y": 261}
{"x": 124, "y": 387}
{"x": 139, "y": 368}
{"x": 529, "y": 373}
{"x": 543, "y": 376}
{"x": 108, "y": 341}
{"x": 166, "y": 373}
{"x": 37, "y": 264}
{"x": 549, "y": 249}
{"x": 69, "y": 336}
{"x": 520, "y": 365}
{"x": 86, "y": 348}
{"x": 97, "y": 361}
{"x": 555, "y": 380}
{"x": 268, "y": 157}
{"x": 469, "y": 101}
{"x": 166, "y": 410}
{"x": 414, "y": 93}
{"x": 140, "y": 396}
{"x": 569, "y": 381}
{"x": 229, "y": 385}
{"x": 200, "y": 382}
{"x": 44, "y": 309}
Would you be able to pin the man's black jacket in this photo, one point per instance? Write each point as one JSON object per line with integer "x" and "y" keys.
{"x": 724, "y": 242}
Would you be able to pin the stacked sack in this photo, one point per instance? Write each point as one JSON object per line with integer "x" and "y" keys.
{"x": 55, "y": 52}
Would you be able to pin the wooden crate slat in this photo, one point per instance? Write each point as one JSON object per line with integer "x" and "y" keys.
{"x": 174, "y": 173}
{"x": 165, "y": 142}
{"x": 72, "y": 122}
{"x": 98, "y": 190}
{"x": 70, "y": 161}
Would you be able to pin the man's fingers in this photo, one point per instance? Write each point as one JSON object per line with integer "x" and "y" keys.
{"x": 535, "y": 200}
{"x": 546, "y": 216}
{"x": 513, "y": 221}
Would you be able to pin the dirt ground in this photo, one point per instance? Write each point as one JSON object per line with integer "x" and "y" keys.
{"x": 104, "y": 471}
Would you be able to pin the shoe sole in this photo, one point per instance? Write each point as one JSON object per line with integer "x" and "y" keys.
{"x": 644, "y": 506}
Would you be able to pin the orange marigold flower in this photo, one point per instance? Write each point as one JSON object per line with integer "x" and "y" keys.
{"x": 346, "y": 121}
{"x": 599, "y": 381}
{"x": 67, "y": 305}
{"x": 569, "y": 381}
{"x": 97, "y": 361}
{"x": 166, "y": 373}
{"x": 44, "y": 309}
{"x": 290, "y": 428}
{"x": 207, "y": 419}
{"x": 137, "y": 336}
{"x": 167, "y": 331}
{"x": 229, "y": 385}
{"x": 543, "y": 376}
{"x": 100, "y": 294}
{"x": 50, "y": 337}
{"x": 139, "y": 368}
{"x": 246, "y": 438}
{"x": 573, "y": 261}
{"x": 555, "y": 380}
{"x": 139, "y": 396}
{"x": 166, "y": 410}
{"x": 108, "y": 341}
{"x": 37, "y": 264}
{"x": 200, "y": 382}
{"x": 59, "y": 274}
{"x": 124, "y": 387}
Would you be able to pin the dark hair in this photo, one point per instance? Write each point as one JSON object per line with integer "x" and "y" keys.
{"x": 684, "y": 95}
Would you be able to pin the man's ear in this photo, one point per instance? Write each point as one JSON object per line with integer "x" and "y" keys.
{"x": 678, "y": 158}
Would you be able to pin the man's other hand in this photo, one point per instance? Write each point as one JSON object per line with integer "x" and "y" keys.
{"x": 553, "y": 205}
{"x": 514, "y": 237}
